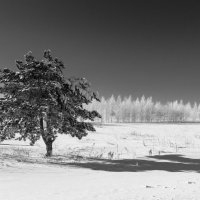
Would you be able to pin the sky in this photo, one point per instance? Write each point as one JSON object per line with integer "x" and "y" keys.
{"x": 136, "y": 48}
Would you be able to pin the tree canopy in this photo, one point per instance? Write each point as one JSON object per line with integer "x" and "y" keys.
{"x": 38, "y": 101}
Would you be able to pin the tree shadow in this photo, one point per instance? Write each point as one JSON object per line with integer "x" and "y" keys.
{"x": 170, "y": 163}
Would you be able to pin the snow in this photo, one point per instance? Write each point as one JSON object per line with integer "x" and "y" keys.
{"x": 74, "y": 184}
{"x": 130, "y": 174}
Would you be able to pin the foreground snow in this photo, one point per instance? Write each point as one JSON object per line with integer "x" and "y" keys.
{"x": 76, "y": 183}
{"x": 84, "y": 169}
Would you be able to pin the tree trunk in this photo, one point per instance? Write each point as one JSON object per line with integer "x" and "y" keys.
{"x": 47, "y": 140}
{"x": 49, "y": 148}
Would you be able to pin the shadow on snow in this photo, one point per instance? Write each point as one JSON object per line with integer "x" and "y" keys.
{"x": 170, "y": 163}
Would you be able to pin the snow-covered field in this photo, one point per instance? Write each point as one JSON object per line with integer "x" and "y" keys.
{"x": 112, "y": 163}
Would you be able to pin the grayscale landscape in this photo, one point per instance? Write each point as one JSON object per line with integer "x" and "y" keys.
{"x": 99, "y": 100}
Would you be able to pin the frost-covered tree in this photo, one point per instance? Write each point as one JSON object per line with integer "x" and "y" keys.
{"x": 38, "y": 101}
{"x": 145, "y": 110}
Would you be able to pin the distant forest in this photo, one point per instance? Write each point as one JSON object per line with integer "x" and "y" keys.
{"x": 128, "y": 110}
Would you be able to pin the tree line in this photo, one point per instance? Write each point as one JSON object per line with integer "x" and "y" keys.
{"x": 129, "y": 110}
